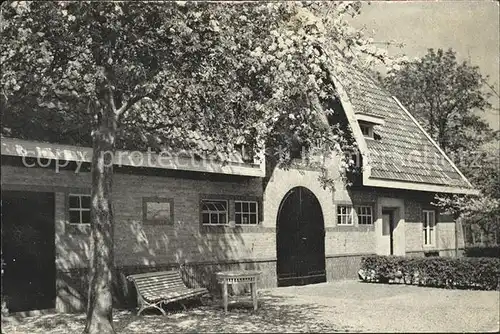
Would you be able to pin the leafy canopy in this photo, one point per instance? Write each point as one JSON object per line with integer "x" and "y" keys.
{"x": 445, "y": 96}
{"x": 258, "y": 72}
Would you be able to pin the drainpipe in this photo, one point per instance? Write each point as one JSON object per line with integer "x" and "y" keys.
{"x": 457, "y": 220}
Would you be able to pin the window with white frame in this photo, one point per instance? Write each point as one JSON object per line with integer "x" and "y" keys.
{"x": 79, "y": 209}
{"x": 365, "y": 215}
{"x": 214, "y": 212}
{"x": 246, "y": 212}
{"x": 429, "y": 227}
{"x": 366, "y": 130}
{"x": 344, "y": 215}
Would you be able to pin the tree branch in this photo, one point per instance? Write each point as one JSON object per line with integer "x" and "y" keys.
{"x": 128, "y": 103}
{"x": 112, "y": 99}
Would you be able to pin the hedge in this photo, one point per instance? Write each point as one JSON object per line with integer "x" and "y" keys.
{"x": 455, "y": 273}
{"x": 482, "y": 251}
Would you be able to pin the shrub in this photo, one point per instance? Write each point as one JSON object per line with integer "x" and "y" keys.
{"x": 461, "y": 273}
{"x": 483, "y": 251}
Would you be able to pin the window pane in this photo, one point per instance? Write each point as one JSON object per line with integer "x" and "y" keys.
{"x": 245, "y": 207}
{"x": 253, "y": 219}
{"x": 237, "y": 218}
{"x": 74, "y": 217}
{"x": 220, "y": 206}
{"x": 222, "y": 218}
{"x": 237, "y": 206}
{"x": 205, "y": 218}
{"x": 85, "y": 217}
{"x": 253, "y": 207}
{"x": 74, "y": 202}
{"x": 85, "y": 202}
{"x": 214, "y": 218}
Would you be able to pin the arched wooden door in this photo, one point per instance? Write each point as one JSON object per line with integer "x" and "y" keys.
{"x": 300, "y": 239}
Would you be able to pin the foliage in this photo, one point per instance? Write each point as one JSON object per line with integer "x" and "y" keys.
{"x": 445, "y": 96}
{"x": 481, "y": 211}
{"x": 249, "y": 71}
{"x": 484, "y": 170}
{"x": 445, "y": 272}
{"x": 491, "y": 251}
{"x": 144, "y": 74}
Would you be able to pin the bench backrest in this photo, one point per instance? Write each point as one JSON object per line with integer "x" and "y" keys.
{"x": 156, "y": 282}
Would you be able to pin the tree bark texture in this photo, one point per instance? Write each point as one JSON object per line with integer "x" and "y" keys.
{"x": 100, "y": 301}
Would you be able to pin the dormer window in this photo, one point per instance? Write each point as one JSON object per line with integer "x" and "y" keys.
{"x": 367, "y": 122}
{"x": 366, "y": 130}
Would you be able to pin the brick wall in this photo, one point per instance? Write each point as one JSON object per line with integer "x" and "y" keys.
{"x": 137, "y": 243}
{"x": 141, "y": 247}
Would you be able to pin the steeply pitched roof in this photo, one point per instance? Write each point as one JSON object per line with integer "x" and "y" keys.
{"x": 401, "y": 149}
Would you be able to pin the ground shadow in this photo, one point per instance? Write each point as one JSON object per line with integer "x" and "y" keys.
{"x": 275, "y": 314}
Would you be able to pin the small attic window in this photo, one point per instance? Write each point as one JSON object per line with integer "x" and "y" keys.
{"x": 366, "y": 130}
{"x": 246, "y": 152}
{"x": 367, "y": 122}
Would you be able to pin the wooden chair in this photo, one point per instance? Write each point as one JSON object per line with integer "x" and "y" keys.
{"x": 157, "y": 288}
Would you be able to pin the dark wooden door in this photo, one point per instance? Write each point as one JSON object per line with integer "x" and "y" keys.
{"x": 28, "y": 250}
{"x": 300, "y": 239}
{"x": 388, "y": 226}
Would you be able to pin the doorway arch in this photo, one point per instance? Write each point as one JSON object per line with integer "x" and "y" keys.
{"x": 300, "y": 239}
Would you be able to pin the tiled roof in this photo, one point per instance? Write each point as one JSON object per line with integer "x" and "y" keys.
{"x": 400, "y": 150}
{"x": 206, "y": 145}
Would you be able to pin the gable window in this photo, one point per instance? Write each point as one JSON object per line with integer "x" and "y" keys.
{"x": 246, "y": 152}
{"x": 79, "y": 209}
{"x": 344, "y": 215}
{"x": 245, "y": 212}
{"x": 366, "y": 130}
{"x": 365, "y": 215}
{"x": 214, "y": 212}
{"x": 429, "y": 227}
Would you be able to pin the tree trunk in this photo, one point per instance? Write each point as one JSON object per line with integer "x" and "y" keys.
{"x": 100, "y": 301}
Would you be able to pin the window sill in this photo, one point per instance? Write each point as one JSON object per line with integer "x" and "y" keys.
{"x": 77, "y": 228}
{"x": 350, "y": 228}
{"x": 236, "y": 229}
{"x": 157, "y": 223}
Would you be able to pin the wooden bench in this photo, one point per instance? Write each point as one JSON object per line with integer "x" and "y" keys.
{"x": 162, "y": 287}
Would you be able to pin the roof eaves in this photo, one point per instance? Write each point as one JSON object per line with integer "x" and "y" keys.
{"x": 59, "y": 152}
{"x": 345, "y": 101}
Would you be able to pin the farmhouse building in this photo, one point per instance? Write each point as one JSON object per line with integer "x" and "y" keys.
{"x": 204, "y": 217}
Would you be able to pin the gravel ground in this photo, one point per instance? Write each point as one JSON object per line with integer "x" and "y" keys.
{"x": 345, "y": 306}
{"x": 372, "y": 307}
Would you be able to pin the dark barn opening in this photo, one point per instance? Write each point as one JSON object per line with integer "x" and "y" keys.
{"x": 300, "y": 239}
{"x": 28, "y": 250}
